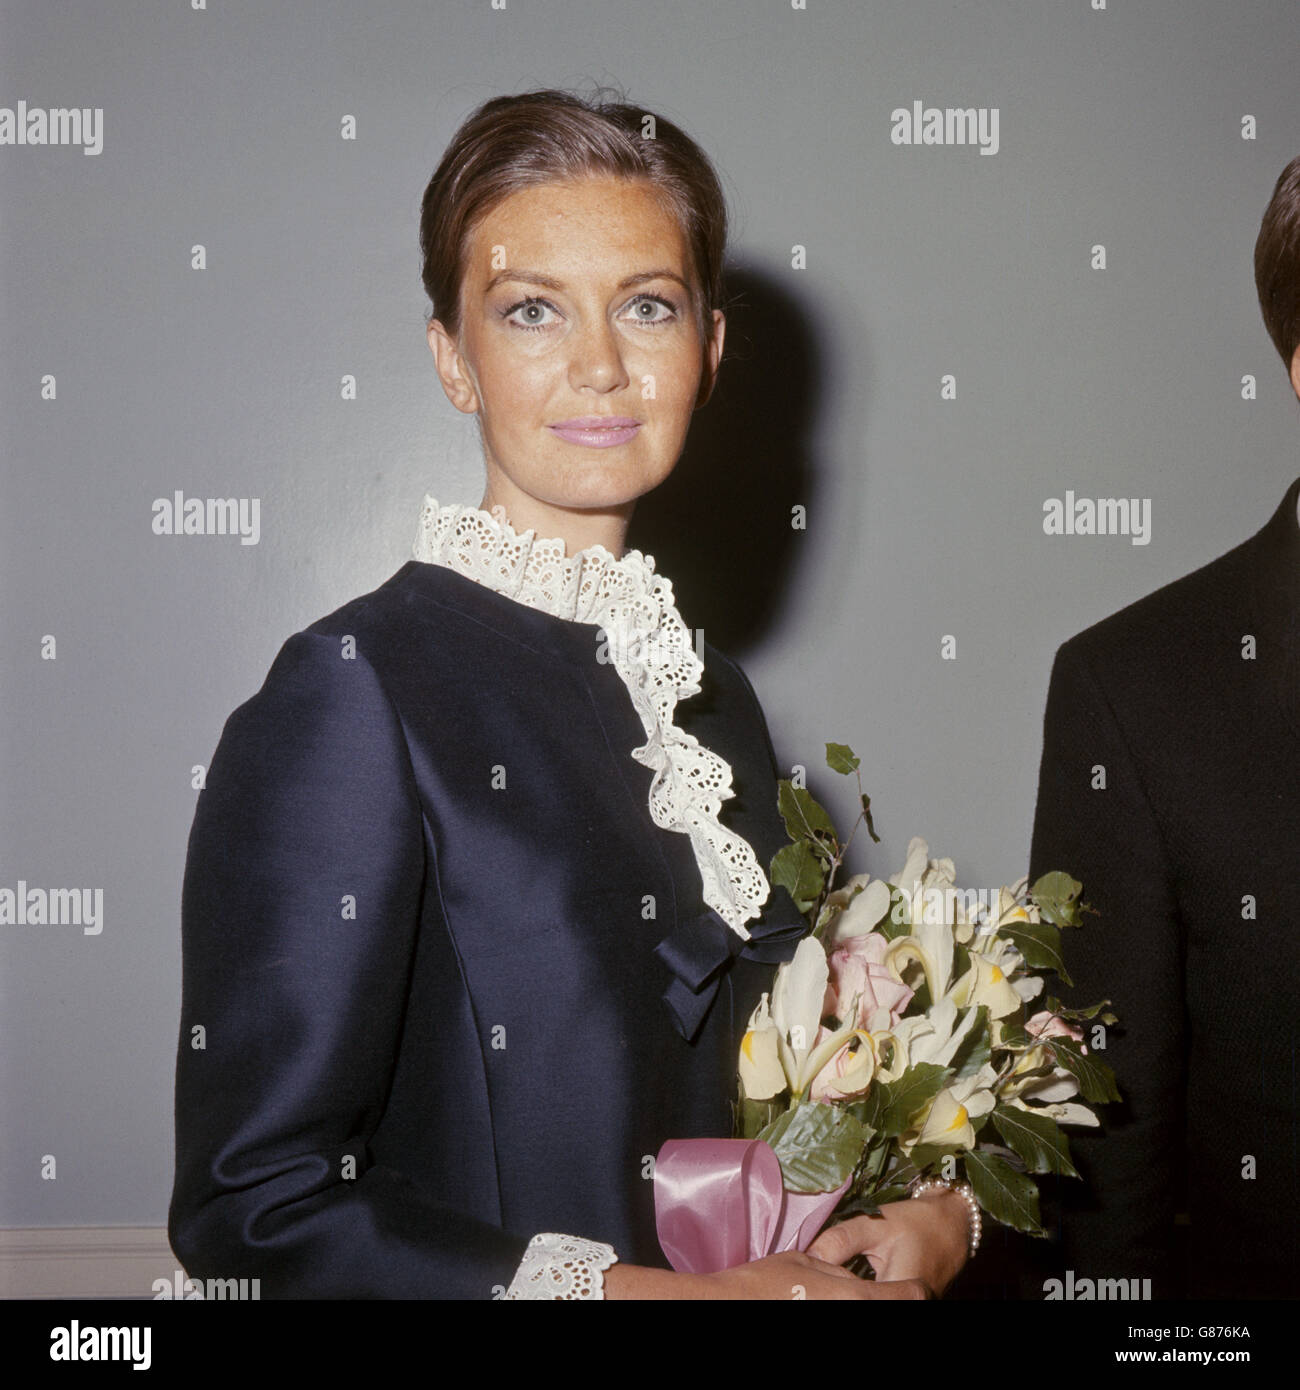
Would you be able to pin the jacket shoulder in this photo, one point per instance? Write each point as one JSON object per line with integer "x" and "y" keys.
{"x": 376, "y": 611}
{"x": 1169, "y": 626}
{"x": 313, "y": 671}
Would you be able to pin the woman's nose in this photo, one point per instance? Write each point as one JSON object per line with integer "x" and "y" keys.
{"x": 597, "y": 357}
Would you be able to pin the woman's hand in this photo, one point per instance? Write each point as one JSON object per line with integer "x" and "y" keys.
{"x": 787, "y": 1276}
{"x": 922, "y": 1238}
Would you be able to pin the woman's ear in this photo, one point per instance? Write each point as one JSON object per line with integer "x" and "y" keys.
{"x": 712, "y": 357}
{"x": 453, "y": 370}
{"x": 1295, "y": 372}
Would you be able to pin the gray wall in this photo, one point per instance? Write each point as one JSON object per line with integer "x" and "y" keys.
{"x": 1120, "y": 127}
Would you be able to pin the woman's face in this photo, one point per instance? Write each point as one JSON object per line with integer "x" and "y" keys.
{"x": 578, "y": 306}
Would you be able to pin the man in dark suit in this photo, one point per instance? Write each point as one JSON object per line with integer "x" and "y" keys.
{"x": 1170, "y": 785}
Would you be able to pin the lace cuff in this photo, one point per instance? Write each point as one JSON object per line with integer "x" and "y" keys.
{"x": 556, "y": 1266}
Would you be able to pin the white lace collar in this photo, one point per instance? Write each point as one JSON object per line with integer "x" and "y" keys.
{"x": 648, "y": 645}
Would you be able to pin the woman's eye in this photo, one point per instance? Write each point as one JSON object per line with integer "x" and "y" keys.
{"x": 532, "y": 309}
{"x": 644, "y": 305}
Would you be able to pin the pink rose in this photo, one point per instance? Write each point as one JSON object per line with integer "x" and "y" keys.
{"x": 857, "y": 968}
{"x": 1048, "y": 1025}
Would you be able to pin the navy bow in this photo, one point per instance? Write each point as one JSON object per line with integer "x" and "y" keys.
{"x": 701, "y": 948}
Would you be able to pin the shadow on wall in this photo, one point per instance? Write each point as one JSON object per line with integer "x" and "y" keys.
{"x": 719, "y": 528}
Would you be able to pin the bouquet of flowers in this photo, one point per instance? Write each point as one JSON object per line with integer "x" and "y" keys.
{"x": 898, "y": 1044}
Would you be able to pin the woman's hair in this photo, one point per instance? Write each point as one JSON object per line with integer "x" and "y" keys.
{"x": 1277, "y": 263}
{"x": 516, "y": 142}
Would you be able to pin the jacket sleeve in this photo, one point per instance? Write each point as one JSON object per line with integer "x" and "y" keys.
{"x": 1118, "y": 1223}
{"x": 300, "y": 908}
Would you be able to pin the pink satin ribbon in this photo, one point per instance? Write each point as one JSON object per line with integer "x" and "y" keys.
{"x": 720, "y": 1203}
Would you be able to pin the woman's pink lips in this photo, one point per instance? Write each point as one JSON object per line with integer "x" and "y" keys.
{"x": 597, "y": 434}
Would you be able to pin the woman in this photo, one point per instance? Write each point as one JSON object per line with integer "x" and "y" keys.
{"x": 474, "y": 912}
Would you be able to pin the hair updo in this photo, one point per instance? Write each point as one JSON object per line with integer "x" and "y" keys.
{"x": 515, "y": 142}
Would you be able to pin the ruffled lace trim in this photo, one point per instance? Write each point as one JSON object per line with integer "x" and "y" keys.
{"x": 557, "y": 1266}
{"x": 649, "y": 646}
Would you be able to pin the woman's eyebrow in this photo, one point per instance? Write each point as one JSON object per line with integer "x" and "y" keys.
{"x": 535, "y": 277}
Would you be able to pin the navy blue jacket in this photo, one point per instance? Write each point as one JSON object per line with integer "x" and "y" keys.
{"x": 423, "y": 1012}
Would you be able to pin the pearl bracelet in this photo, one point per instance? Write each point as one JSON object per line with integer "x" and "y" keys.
{"x": 967, "y": 1194}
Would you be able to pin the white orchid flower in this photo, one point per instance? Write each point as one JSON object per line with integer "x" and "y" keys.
{"x": 985, "y": 983}
{"x": 930, "y": 944}
{"x": 1028, "y": 987}
{"x": 908, "y": 878}
{"x": 948, "y": 1120}
{"x": 1007, "y": 956}
{"x": 933, "y": 879}
{"x": 933, "y": 1037}
{"x": 761, "y": 1072}
{"x": 797, "y": 998}
{"x": 995, "y": 977}
{"x": 847, "y": 891}
{"x": 1057, "y": 1085}
{"x": 1010, "y": 909}
{"x": 864, "y": 911}
{"x": 1067, "y": 1114}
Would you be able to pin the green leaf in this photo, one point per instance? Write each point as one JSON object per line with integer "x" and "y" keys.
{"x": 841, "y": 758}
{"x": 877, "y": 1181}
{"x": 926, "y": 1158}
{"x": 803, "y": 814}
{"x": 870, "y": 1110}
{"x": 975, "y": 1047}
{"x": 1056, "y": 884}
{"x": 875, "y": 1161}
{"x": 753, "y": 1116}
{"x": 1039, "y": 943}
{"x": 960, "y": 960}
{"x": 890, "y": 929}
{"x": 1006, "y": 1195}
{"x": 1036, "y": 1138}
{"x": 1055, "y": 895}
{"x": 866, "y": 812}
{"x": 1096, "y": 1080}
{"x": 1081, "y": 1015}
{"x": 859, "y": 1110}
{"x": 1014, "y": 1036}
{"x": 890, "y": 1192}
{"x": 818, "y": 1146}
{"x": 799, "y": 871}
{"x": 912, "y": 1091}
{"x": 1009, "y": 1156}
{"x": 898, "y": 1169}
